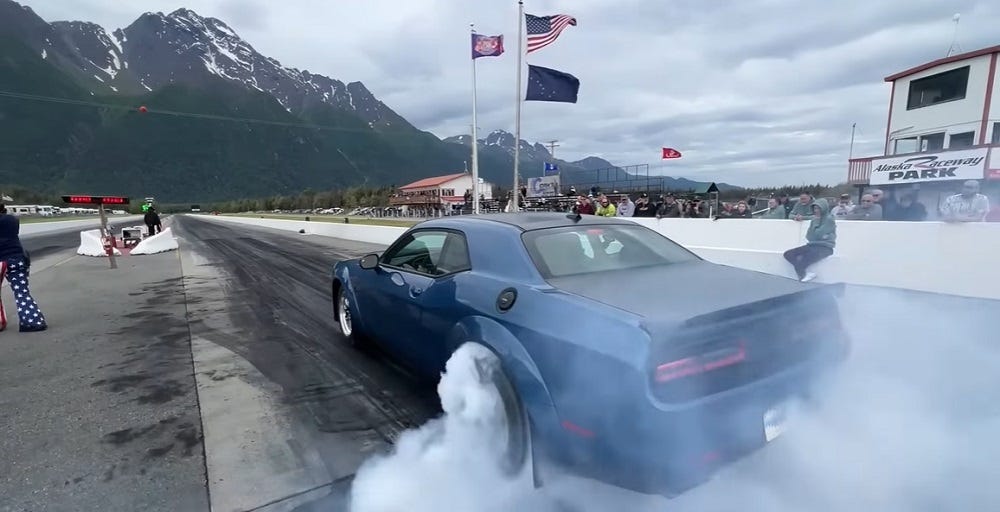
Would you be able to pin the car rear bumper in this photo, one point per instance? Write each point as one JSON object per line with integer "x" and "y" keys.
{"x": 666, "y": 451}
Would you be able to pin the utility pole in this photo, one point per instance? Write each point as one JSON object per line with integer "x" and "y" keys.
{"x": 552, "y": 147}
{"x": 854, "y": 127}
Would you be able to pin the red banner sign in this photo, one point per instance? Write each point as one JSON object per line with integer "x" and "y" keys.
{"x": 95, "y": 200}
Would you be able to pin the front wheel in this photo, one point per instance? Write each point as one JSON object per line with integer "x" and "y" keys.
{"x": 342, "y": 310}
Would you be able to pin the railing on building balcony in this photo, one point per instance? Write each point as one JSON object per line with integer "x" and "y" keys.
{"x": 415, "y": 200}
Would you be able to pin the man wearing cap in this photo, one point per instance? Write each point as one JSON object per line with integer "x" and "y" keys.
{"x": 843, "y": 207}
{"x": 967, "y": 206}
{"x": 644, "y": 208}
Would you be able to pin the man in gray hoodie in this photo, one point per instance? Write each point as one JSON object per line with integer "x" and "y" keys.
{"x": 821, "y": 238}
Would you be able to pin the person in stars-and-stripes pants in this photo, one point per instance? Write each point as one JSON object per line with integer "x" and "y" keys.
{"x": 14, "y": 266}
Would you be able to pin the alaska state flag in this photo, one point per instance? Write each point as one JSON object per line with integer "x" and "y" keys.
{"x": 546, "y": 84}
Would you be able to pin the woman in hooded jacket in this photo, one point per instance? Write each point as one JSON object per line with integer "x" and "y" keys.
{"x": 821, "y": 238}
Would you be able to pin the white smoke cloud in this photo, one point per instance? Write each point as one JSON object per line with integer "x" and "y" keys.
{"x": 909, "y": 424}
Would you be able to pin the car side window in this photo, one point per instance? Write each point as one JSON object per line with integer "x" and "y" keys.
{"x": 432, "y": 253}
{"x": 454, "y": 255}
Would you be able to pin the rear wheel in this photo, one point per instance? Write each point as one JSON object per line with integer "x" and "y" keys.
{"x": 505, "y": 417}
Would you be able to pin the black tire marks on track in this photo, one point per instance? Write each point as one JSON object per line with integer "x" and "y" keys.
{"x": 278, "y": 293}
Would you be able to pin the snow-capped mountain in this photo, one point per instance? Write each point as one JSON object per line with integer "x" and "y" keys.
{"x": 501, "y": 141}
{"x": 186, "y": 48}
{"x": 101, "y": 55}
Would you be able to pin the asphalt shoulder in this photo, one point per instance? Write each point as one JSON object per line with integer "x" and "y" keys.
{"x": 100, "y": 412}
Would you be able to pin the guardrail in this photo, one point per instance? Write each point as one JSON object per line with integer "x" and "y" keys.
{"x": 937, "y": 257}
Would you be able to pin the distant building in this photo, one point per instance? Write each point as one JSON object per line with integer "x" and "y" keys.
{"x": 943, "y": 128}
{"x": 439, "y": 191}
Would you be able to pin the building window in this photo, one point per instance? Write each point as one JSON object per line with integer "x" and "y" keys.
{"x": 939, "y": 88}
{"x": 903, "y": 146}
{"x": 932, "y": 142}
{"x": 996, "y": 133}
{"x": 961, "y": 140}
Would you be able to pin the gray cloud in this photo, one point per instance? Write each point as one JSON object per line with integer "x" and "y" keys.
{"x": 248, "y": 14}
{"x": 754, "y": 92}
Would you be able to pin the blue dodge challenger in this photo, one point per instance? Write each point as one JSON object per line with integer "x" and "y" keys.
{"x": 619, "y": 354}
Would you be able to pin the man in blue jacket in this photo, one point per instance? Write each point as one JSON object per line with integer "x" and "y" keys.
{"x": 14, "y": 263}
{"x": 821, "y": 238}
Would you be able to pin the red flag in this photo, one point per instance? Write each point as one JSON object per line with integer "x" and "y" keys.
{"x": 671, "y": 153}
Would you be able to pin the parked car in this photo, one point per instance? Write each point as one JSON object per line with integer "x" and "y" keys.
{"x": 620, "y": 354}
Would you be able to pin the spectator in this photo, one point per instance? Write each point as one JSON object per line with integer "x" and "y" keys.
{"x": 626, "y": 208}
{"x": 803, "y": 209}
{"x": 887, "y": 204}
{"x": 742, "y": 211}
{"x": 821, "y": 238}
{"x": 843, "y": 207}
{"x": 775, "y": 210}
{"x": 695, "y": 208}
{"x": 15, "y": 264}
{"x": 584, "y": 206}
{"x": 643, "y": 207}
{"x": 909, "y": 209}
{"x": 994, "y": 215}
{"x": 786, "y": 203}
{"x": 967, "y": 206}
{"x": 605, "y": 208}
{"x": 867, "y": 210}
{"x": 668, "y": 208}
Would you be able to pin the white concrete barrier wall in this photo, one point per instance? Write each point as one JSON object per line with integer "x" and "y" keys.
{"x": 161, "y": 242}
{"x": 358, "y": 232}
{"x": 91, "y": 244}
{"x": 957, "y": 259}
{"x": 36, "y": 228}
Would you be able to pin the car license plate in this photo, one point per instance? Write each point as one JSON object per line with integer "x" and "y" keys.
{"x": 774, "y": 422}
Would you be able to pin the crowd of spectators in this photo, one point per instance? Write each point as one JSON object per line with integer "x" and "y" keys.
{"x": 969, "y": 205}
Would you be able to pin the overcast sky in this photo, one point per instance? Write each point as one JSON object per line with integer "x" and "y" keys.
{"x": 754, "y": 92}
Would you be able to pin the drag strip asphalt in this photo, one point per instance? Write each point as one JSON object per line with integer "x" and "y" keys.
{"x": 289, "y": 409}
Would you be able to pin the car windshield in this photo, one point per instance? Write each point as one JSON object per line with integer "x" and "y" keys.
{"x": 586, "y": 249}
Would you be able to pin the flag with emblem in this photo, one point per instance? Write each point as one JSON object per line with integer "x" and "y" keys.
{"x": 486, "y": 46}
{"x": 544, "y": 30}
{"x": 546, "y": 84}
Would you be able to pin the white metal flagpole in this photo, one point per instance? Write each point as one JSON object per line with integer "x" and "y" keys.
{"x": 475, "y": 139}
{"x": 517, "y": 110}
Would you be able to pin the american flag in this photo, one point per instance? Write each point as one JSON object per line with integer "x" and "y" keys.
{"x": 543, "y": 30}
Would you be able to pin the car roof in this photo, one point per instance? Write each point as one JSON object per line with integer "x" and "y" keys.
{"x": 526, "y": 221}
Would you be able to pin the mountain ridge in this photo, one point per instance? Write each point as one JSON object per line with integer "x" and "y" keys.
{"x": 354, "y": 137}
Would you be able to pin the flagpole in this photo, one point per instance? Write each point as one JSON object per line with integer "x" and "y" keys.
{"x": 475, "y": 138}
{"x": 517, "y": 109}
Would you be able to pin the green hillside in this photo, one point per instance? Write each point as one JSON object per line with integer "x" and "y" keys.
{"x": 107, "y": 146}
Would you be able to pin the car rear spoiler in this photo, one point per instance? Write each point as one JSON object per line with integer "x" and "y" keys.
{"x": 829, "y": 293}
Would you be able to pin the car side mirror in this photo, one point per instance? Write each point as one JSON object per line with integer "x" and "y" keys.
{"x": 369, "y": 261}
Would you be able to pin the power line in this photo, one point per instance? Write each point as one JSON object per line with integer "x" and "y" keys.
{"x": 175, "y": 113}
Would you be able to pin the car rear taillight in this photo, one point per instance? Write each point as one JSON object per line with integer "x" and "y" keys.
{"x": 701, "y": 363}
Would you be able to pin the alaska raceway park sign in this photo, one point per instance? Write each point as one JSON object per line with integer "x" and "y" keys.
{"x": 967, "y": 164}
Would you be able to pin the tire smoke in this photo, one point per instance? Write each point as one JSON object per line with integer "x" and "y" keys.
{"x": 908, "y": 424}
